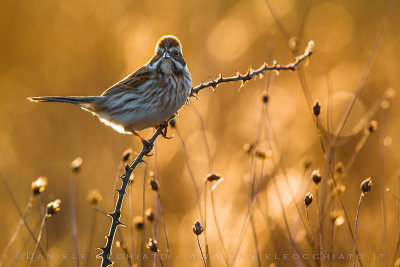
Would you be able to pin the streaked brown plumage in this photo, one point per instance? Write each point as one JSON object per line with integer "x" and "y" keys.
{"x": 146, "y": 98}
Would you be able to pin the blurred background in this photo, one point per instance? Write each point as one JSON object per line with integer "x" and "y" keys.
{"x": 83, "y": 47}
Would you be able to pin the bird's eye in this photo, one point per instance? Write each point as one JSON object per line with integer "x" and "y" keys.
{"x": 176, "y": 53}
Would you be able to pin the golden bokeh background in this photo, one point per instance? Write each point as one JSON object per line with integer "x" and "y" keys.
{"x": 83, "y": 47}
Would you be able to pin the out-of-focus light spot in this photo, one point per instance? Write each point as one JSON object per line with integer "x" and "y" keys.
{"x": 387, "y": 141}
{"x": 332, "y": 26}
{"x": 285, "y": 192}
{"x": 229, "y": 40}
{"x": 390, "y": 93}
{"x": 385, "y": 104}
{"x": 339, "y": 221}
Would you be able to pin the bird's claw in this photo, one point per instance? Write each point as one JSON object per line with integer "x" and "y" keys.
{"x": 164, "y": 133}
{"x": 148, "y": 147}
{"x": 164, "y": 129}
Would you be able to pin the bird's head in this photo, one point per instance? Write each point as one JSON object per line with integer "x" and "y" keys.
{"x": 168, "y": 58}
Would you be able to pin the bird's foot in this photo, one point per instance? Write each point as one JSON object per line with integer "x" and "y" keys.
{"x": 164, "y": 131}
{"x": 147, "y": 146}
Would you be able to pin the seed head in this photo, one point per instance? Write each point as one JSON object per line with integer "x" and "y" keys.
{"x": 138, "y": 222}
{"x": 372, "y": 126}
{"x": 197, "y": 228}
{"x": 152, "y": 245}
{"x": 248, "y": 148}
{"x": 339, "y": 168}
{"x": 316, "y": 109}
{"x": 154, "y": 185}
{"x": 127, "y": 155}
{"x": 150, "y": 214}
{"x": 316, "y": 176}
{"x": 212, "y": 177}
{"x": 308, "y": 199}
{"x": 39, "y": 185}
{"x": 94, "y": 197}
{"x": 340, "y": 189}
{"x": 366, "y": 185}
{"x": 76, "y": 165}
{"x": 337, "y": 217}
{"x": 172, "y": 123}
{"x": 53, "y": 207}
{"x": 265, "y": 98}
{"x": 263, "y": 154}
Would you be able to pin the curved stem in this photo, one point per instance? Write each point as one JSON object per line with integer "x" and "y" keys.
{"x": 355, "y": 230}
{"x": 201, "y": 251}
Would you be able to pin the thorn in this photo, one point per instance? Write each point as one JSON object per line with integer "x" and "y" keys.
{"x": 121, "y": 192}
{"x": 120, "y": 223}
{"x": 127, "y": 168}
{"x": 265, "y": 66}
{"x": 219, "y": 78}
{"x": 241, "y": 85}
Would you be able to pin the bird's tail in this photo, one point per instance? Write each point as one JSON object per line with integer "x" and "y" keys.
{"x": 82, "y": 101}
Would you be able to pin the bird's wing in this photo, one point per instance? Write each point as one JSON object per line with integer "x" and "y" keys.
{"x": 132, "y": 82}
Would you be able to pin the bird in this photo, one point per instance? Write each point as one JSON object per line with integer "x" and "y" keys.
{"x": 148, "y": 97}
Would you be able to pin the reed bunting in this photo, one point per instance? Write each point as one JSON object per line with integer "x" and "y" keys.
{"x": 148, "y": 97}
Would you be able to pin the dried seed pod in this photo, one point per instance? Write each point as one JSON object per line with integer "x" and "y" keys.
{"x": 340, "y": 189}
{"x": 76, "y": 165}
{"x": 316, "y": 176}
{"x": 127, "y": 155}
{"x": 212, "y": 177}
{"x": 94, "y": 197}
{"x": 150, "y": 214}
{"x": 248, "y": 148}
{"x": 53, "y": 207}
{"x": 39, "y": 185}
{"x": 152, "y": 245}
{"x": 372, "y": 126}
{"x": 337, "y": 217}
{"x": 138, "y": 222}
{"x": 263, "y": 154}
{"x": 154, "y": 185}
{"x": 339, "y": 168}
{"x": 316, "y": 109}
{"x": 265, "y": 98}
{"x": 197, "y": 228}
{"x": 308, "y": 199}
{"x": 366, "y": 185}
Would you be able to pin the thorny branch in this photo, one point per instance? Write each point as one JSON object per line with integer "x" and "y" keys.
{"x": 252, "y": 73}
{"x": 116, "y": 214}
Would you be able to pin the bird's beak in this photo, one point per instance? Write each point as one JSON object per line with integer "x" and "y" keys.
{"x": 166, "y": 55}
